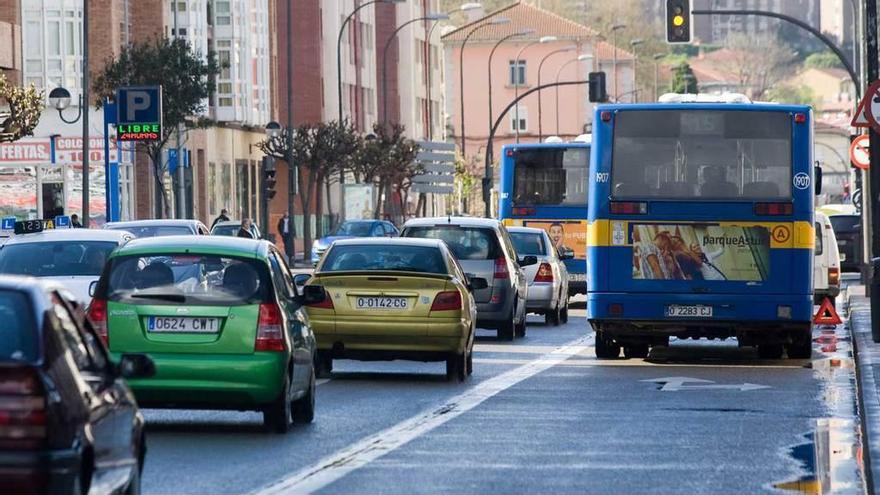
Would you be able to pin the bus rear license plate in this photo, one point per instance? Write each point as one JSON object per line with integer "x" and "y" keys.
{"x": 690, "y": 311}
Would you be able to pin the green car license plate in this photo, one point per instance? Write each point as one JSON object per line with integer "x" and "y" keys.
{"x": 172, "y": 324}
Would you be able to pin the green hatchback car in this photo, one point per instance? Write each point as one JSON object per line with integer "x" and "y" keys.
{"x": 220, "y": 318}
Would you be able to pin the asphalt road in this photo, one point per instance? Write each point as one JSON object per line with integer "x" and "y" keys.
{"x": 539, "y": 415}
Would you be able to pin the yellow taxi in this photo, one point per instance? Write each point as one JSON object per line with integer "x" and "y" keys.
{"x": 393, "y": 298}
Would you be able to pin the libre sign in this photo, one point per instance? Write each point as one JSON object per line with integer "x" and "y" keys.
{"x": 139, "y": 113}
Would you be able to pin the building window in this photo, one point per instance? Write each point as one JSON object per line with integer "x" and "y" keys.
{"x": 521, "y": 125}
{"x": 517, "y": 73}
{"x": 223, "y": 13}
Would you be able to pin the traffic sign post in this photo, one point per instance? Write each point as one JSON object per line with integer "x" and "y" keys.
{"x": 859, "y": 152}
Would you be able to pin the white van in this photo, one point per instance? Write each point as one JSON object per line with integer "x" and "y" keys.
{"x": 826, "y": 265}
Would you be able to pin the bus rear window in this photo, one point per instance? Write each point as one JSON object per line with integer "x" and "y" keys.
{"x": 550, "y": 176}
{"x": 702, "y": 155}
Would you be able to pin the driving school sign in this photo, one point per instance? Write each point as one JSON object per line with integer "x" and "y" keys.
{"x": 139, "y": 113}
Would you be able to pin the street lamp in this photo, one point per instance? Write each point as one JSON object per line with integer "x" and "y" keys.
{"x": 462, "y": 8}
{"x": 429, "y": 17}
{"x": 494, "y": 22}
{"x": 524, "y": 32}
{"x": 542, "y": 39}
{"x": 275, "y": 130}
{"x": 634, "y": 43}
{"x": 580, "y": 58}
{"x": 657, "y": 58}
{"x": 614, "y": 29}
{"x": 59, "y": 98}
{"x": 540, "y": 67}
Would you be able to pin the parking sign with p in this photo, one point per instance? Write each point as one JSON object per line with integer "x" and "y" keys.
{"x": 139, "y": 113}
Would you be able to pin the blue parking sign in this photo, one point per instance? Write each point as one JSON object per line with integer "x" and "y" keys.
{"x": 139, "y": 113}
{"x": 8, "y": 223}
{"x": 62, "y": 221}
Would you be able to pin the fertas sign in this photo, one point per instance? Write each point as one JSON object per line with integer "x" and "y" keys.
{"x": 139, "y": 113}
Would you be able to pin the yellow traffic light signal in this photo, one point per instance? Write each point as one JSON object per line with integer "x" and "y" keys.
{"x": 679, "y": 26}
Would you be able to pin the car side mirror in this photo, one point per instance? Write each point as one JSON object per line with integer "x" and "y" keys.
{"x": 818, "y": 174}
{"x": 477, "y": 283}
{"x": 136, "y": 366}
{"x": 313, "y": 294}
{"x": 93, "y": 287}
{"x": 528, "y": 260}
{"x": 300, "y": 279}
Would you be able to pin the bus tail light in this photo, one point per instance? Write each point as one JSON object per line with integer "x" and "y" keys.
{"x": 615, "y": 309}
{"x": 523, "y": 210}
{"x": 628, "y": 208}
{"x": 833, "y": 275}
{"x": 545, "y": 273}
{"x": 773, "y": 209}
{"x": 501, "y": 271}
{"x": 800, "y": 118}
{"x": 605, "y": 116}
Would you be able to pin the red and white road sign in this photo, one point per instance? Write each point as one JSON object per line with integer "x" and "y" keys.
{"x": 858, "y": 152}
{"x": 864, "y": 116}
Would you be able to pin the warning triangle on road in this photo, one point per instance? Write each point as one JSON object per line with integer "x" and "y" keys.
{"x": 826, "y": 314}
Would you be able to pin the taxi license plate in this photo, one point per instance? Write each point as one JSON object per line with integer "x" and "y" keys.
{"x": 381, "y": 303}
{"x": 171, "y": 324}
{"x": 688, "y": 311}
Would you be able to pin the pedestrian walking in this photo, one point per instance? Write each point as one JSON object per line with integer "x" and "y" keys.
{"x": 221, "y": 218}
{"x": 285, "y": 230}
{"x": 245, "y": 229}
{"x": 74, "y": 221}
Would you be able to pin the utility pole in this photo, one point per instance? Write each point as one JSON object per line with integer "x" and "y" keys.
{"x": 181, "y": 186}
{"x": 292, "y": 171}
{"x": 872, "y": 208}
{"x": 86, "y": 104}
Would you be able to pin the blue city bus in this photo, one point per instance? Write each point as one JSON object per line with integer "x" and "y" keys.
{"x": 544, "y": 185}
{"x": 701, "y": 225}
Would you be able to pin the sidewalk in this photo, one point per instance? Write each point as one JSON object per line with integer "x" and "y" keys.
{"x": 867, "y": 357}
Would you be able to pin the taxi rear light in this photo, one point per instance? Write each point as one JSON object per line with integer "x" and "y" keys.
{"x": 545, "y": 273}
{"x": 523, "y": 210}
{"x": 833, "y": 276}
{"x": 270, "y": 329}
{"x": 773, "y": 209}
{"x": 628, "y": 208}
{"x": 325, "y": 303}
{"x": 22, "y": 410}
{"x": 97, "y": 316}
{"x": 501, "y": 268}
{"x": 447, "y": 301}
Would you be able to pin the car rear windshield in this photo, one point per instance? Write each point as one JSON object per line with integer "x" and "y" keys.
{"x": 354, "y": 257}
{"x": 846, "y": 224}
{"x": 356, "y": 229}
{"x": 702, "y": 155}
{"x": 18, "y": 333}
{"x": 154, "y": 230}
{"x": 526, "y": 243}
{"x": 55, "y": 258}
{"x": 185, "y": 278}
{"x": 467, "y": 243}
{"x": 550, "y": 176}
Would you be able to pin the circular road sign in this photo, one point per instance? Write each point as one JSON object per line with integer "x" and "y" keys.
{"x": 858, "y": 152}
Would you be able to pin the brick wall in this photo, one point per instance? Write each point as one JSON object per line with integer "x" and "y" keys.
{"x": 10, "y": 39}
{"x": 386, "y": 23}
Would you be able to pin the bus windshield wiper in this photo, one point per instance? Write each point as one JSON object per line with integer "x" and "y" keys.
{"x": 165, "y": 297}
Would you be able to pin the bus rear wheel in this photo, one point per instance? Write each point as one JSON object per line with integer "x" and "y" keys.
{"x": 606, "y": 348}
{"x": 801, "y": 346}
{"x": 770, "y": 351}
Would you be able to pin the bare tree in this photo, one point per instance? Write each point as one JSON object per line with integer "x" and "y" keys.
{"x": 758, "y": 61}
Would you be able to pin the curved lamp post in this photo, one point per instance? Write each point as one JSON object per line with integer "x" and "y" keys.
{"x": 59, "y": 98}
{"x": 614, "y": 29}
{"x": 540, "y": 67}
{"x": 429, "y": 17}
{"x": 524, "y": 32}
{"x": 494, "y": 22}
{"x": 580, "y": 58}
{"x": 542, "y": 39}
{"x": 657, "y": 58}
{"x": 634, "y": 43}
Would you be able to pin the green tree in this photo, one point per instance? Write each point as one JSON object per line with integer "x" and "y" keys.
{"x": 24, "y": 107}
{"x": 319, "y": 150}
{"x": 684, "y": 80}
{"x": 187, "y": 80}
{"x": 823, "y": 60}
{"x": 786, "y": 93}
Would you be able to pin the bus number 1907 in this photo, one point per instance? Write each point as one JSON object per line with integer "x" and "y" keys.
{"x": 602, "y": 177}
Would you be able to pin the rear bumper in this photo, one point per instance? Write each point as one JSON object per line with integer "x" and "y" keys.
{"x": 729, "y": 310}
{"x": 541, "y": 297}
{"x": 357, "y": 338}
{"x": 491, "y": 315}
{"x": 212, "y": 381}
{"x": 42, "y": 472}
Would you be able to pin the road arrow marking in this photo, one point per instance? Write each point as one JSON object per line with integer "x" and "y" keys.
{"x": 677, "y": 384}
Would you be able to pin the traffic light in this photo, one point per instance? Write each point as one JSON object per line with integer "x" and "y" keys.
{"x": 269, "y": 177}
{"x": 679, "y": 25}
{"x": 597, "y": 87}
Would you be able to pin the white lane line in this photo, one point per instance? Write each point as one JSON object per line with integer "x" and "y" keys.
{"x": 343, "y": 462}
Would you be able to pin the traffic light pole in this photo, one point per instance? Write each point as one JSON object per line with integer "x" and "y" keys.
{"x": 872, "y": 185}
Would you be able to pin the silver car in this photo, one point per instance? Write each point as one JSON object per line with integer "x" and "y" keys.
{"x": 547, "y": 279}
{"x": 156, "y": 228}
{"x": 484, "y": 250}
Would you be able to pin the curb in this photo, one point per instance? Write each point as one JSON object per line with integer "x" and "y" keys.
{"x": 858, "y": 312}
